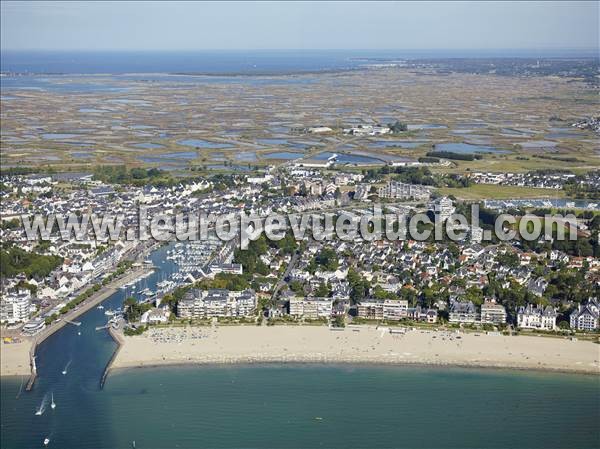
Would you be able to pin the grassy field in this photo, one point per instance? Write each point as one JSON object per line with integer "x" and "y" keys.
{"x": 488, "y": 191}
{"x": 510, "y": 163}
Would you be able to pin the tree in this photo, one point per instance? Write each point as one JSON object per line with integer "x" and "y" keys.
{"x": 322, "y": 291}
{"x": 134, "y": 309}
{"x": 297, "y": 287}
{"x": 339, "y": 321}
{"x": 327, "y": 258}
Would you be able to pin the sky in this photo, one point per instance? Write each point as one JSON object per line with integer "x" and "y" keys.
{"x": 244, "y": 25}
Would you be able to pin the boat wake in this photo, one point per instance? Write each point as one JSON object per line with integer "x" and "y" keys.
{"x": 43, "y": 405}
{"x": 66, "y": 370}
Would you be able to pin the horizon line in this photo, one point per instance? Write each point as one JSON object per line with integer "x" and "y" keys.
{"x": 304, "y": 49}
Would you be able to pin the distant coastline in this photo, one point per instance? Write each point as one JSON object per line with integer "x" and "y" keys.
{"x": 247, "y": 62}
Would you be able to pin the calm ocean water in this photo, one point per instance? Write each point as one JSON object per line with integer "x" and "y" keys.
{"x": 286, "y": 406}
{"x": 232, "y": 62}
{"x": 298, "y": 406}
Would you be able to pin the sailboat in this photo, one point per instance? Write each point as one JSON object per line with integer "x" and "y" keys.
{"x": 52, "y": 404}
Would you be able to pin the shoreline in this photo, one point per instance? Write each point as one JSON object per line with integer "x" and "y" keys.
{"x": 12, "y": 355}
{"x": 95, "y": 299}
{"x": 250, "y": 345}
{"x": 341, "y": 363}
{"x": 118, "y": 339}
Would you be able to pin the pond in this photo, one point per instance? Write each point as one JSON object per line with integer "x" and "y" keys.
{"x": 142, "y": 127}
{"x": 182, "y": 155}
{"x": 79, "y": 155}
{"x": 562, "y": 135}
{"x": 130, "y": 101}
{"x": 283, "y": 155}
{"x": 148, "y": 145}
{"x": 472, "y": 125}
{"x": 201, "y": 143}
{"x": 344, "y": 158}
{"x": 516, "y": 132}
{"x": 467, "y": 148}
{"x": 534, "y": 144}
{"x": 396, "y": 144}
{"x": 58, "y": 136}
{"x": 248, "y": 156}
{"x": 227, "y": 167}
{"x": 91, "y": 110}
{"x": 272, "y": 141}
{"x": 426, "y": 126}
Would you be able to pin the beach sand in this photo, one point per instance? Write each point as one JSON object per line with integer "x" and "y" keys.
{"x": 363, "y": 344}
{"x": 14, "y": 359}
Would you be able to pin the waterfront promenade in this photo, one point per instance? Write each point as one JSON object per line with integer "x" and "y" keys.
{"x": 17, "y": 358}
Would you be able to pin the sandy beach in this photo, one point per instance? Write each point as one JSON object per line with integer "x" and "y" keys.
{"x": 14, "y": 359}
{"x": 364, "y": 344}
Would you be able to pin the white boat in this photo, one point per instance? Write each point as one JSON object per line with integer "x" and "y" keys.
{"x": 109, "y": 313}
{"x": 100, "y": 307}
{"x": 46, "y": 441}
{"x": 52, "y": 404}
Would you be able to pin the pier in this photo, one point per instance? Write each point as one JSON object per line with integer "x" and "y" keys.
{"x": 33, "y": 374}
{"x": 69, "y": 318}
{"x": 119, "y": 341}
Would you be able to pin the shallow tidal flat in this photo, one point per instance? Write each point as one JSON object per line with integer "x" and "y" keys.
{"x": 79, "y": 121}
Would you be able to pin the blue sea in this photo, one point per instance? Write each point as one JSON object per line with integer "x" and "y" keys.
{"x": 233, "y": 62}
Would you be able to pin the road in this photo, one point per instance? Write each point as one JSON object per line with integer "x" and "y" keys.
{"x": 286, "y": 273}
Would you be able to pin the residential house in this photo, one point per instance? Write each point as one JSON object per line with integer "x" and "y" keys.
{"x": 534, "y": 317}
{"x": 463, "y": 312}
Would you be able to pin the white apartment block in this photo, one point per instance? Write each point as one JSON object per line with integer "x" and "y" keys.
{"x": 492, "y": 313}
{"x": 15, "y": 307}
{"x": 389, "y": 309}
{"x": 400, "y": 190}
{"x": 216, "y": 303}
{"x": 444, "y": 207}
{"x": 586, "y": 317}
{"x": 311, "y": 308}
